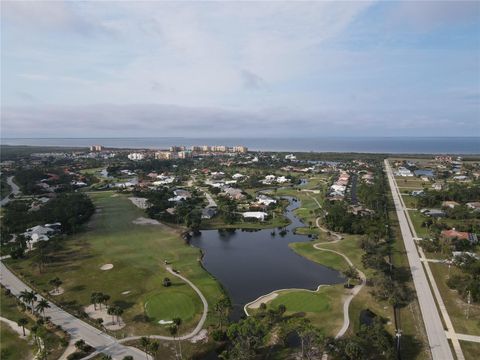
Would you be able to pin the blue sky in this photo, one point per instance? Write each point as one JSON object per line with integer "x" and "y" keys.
{"x": 113, "y": 69}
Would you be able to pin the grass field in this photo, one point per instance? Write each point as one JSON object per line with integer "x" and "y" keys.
{"x": 323, "y": 307}
{"x": 12, "y": 347}
{"x": 470, "y": 350}
{"x": 455, "y": 305}
{"x": 137, "y": 253}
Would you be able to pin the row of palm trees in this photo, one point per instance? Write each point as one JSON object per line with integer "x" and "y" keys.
{"x": 30, "y": 297}
{"x": 99, "y": 298}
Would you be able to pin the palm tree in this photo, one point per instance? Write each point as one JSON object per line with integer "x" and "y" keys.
{"x": 33, "y": 298}
{"x": 25, "y": 296}
{"x": 104, "y": 299}
{"x": 177, "y": 321}
{"x": 111, "y": 311}
{"x": 118, "y": 313}
{"x": 56, "y": 282}
{"x": 41, "y": 306}
{"x": 145, "y": 342}
{"x": 154, "y": 346}
{"x": 22, "y": 322}
{"x": 173, "y": 331}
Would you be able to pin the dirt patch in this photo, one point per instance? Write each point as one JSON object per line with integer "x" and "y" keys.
{"x": 108, "y": 322}
{"x": 263, "y": 299}
{"x": 56, "y": 292}
{"x": 146, "y": 221}
{"x": 106, "y": 267}
{"x": 201, "y": 336}
{"x": 140, "y": 202}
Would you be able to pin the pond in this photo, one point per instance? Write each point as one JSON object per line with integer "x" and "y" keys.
{"x": 250, "y": 264}
{"x": 423, "y": 172}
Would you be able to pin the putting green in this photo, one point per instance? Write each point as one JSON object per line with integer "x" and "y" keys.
{"x": 169, "y": 304}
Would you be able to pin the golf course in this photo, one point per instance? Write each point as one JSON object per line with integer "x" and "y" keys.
{"x": 125, "y": 258}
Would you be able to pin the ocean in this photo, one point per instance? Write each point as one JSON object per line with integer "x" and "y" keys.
{"x": 391, "y": 145}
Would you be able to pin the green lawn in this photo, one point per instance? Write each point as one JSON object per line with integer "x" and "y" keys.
{"x": 12, "y": 347}
{"x": 323, "y": 307}
{"x": 470, "y": 350}
{"x": 137, "y": 253}
{"x": 455, "y": 305}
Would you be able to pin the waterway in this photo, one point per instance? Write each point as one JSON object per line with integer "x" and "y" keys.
{"x": 250, "y": 264}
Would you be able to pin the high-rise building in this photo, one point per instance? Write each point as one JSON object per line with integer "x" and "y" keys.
{"x": 96, "y": 148}
{"x": 240, "y": 149}
{"x": 164, "y": 155}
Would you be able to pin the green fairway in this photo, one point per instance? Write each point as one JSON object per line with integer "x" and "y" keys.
{"x": 323, "y": 307}
{"x": 137, "y": 253}
{"x": 470, "y": 350}
{"x": 167, "y": 305}
{"x": 12, "y": 347}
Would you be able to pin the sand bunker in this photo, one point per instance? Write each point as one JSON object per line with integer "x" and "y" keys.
{"x": 108, "y": 322}
{"x": 126, "y": 292}
{"x": 56, "y": 292}
{"x": 107, "y": 267}
{"x": 114, "y": 195}
{"x": 142, "y": 203}
{"x": 165, "y": 322}
{"x": 263, "y": 299}
{"x": 145, "y": 221}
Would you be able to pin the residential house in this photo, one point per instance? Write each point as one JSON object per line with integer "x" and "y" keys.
{"x": 475, "y": 206}
{"x": 259, "y": 215}
{"x": 449, "y": 204}
{"x": 461, "y": 235}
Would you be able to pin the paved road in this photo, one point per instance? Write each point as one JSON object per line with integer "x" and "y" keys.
{"x": 15, "y": 191}
{"x": 437, "y": 339}
{"x": 77, "y": 328}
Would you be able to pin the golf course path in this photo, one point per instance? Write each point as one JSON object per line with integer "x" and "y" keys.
{"x": 191, "y": 334}
{"x": 356, "y": 289}
{"x": 15, "y": 327}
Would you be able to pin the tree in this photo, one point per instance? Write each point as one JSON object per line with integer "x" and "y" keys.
{"x": 56, "y": 282}
{"x": 311, "y": 340}
{"x": 167, "y": 282}
{"x": 80, "y": 344}
{"x": 104, "y": 299}
{"x": 128, "y": 357}
{"x": 95, "y": 298}
{"x": 221, "y": 308}
{"x": 145, "y": 342}
{"x": 177, "y": 321}
{"x": 350, "y": 273}
{"x": 41, "y": 306}
{"x": 246, "y": 336}
{"x": 22, "y": 322}
{"x": 173, "y": 329}
{"x": 28, "y": 297}
{"x": 154, "y": 346}
{"x": 112, "y": 311}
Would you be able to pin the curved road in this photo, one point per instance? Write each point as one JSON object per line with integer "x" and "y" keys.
{"x": 15, "y": 191}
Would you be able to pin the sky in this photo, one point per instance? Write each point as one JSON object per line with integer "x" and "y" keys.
{"x": 234, "y": 69}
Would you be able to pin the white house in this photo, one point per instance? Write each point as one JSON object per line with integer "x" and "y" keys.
{"x": 265, "y": 200}
{"x": 259, "y": 215}
{"x": 403, "y": 171}
{"x": 237, "y": 176}
{"x": 136, "y": 156}
{"x": 282, "y": 180}
{"x": 290, "y": 157}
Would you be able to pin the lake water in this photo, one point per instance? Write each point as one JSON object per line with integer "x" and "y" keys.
{"x": 393, "y": 145}
{"x": 252, "y": 264}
